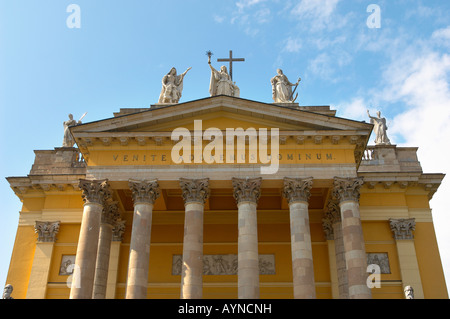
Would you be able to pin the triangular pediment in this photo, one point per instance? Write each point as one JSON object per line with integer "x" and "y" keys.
{"x": 220, "y": 112}
{"x": 152, "y": 128}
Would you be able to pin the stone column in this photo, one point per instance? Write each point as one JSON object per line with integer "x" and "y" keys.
{"x": 94, "y": 193}
{"x": 346, "y": 190}
{"x": 144, "y": 195}
{"x": 195, "y": 193}
{"x": 297, "y": 192}
{"x": 113, "y": 268}
{"x": 333, "y": 229}
{"x": 108, "y": 220}
{"x": 37, "y": 285}
{"x": 247, "y": 193}
{"x": 409, "y": 268}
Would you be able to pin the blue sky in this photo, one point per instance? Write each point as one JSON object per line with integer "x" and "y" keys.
{"x": 122, "y": 50}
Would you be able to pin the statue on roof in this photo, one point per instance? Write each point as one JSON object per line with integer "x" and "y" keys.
{"x": 282, "y": 88}
{"x": 172, "y": 87}
{"x": 221, "y": 82}
{"x": 68, "y": 140}
{"x": 380, "y": 129}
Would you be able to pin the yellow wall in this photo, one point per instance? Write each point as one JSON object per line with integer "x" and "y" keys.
{"x": 429, "y": 260}
{"x": 22, "y": 260}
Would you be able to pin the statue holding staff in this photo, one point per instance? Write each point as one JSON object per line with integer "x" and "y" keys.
{"x": 221, "y": 82}
{"x": 282, "y": 88}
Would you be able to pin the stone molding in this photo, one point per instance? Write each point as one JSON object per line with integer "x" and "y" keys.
{"x": 94, "y": 191}
{"x": 297, "y": 189}
{"x": 195, "y": 190}
{"x": 144, "y": 191}
{"x": 402, "y": 228}
{"x": 46, "y": 231}
{"x": 347, "y": 189}
{"x": 247, "y": 189}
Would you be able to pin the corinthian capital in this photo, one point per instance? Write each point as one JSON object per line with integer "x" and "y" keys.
{"x": 94, "y": 191}
{"x": 332, "y": 216}
{"x": 194, "y": 190}
{"x": 247, "y": 189}
{"x": 144, "y": 191}
{"x": 297, "y": 189}
{"x": 118, "y": 230}
{"x": 110, "y": 213}
{"x": 46, "y": 231}
{"x": 402, "y": 228}
{"x": 347, "y": 188}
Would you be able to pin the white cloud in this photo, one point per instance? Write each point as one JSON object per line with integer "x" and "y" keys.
{"x": 442, "y": 36}
{"x": 218, "y": 19}
{"x": 422, "y": 84}
{"x": 319, "y": 12}
{"x": 244, "y": 4}
{"x": 292, "y": 45}
{"x": 250, "y": 15}
{"x": 263, "y": 15}
{"x": 327, "y": 64}
{"x": 320, "y": 66}
{"x": 356, "y": 109}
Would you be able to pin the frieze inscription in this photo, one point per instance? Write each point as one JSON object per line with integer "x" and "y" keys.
{"x": 161, "y": 158}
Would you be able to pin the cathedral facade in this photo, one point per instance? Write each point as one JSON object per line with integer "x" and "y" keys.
{"x": 225, "y": 197}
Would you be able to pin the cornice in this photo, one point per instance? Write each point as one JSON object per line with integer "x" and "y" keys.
{"x": 404, "y": 180}
{"x": 45, "y": 184}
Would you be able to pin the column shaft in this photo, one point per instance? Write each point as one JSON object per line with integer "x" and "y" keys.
{"x": 139, "y": 260}
{"x": 355, "y": 252}
{"x": 248, "y": 259}
{"x": 114, "y": 257}
{"x": 85, "y": 260}
{"x": 247, "y": 193}
{"x": 94, "y": 194}
{"x": 144, "y": 195}
{"x": 346, "y": 191}
{"x": 341, "y": 266}
{"x": 297, "y": 193}
{"x": 109, "y": 218}
{"x": 195, "y": 193}
{"x": 192, "y": 268}
{"x": 102, "y": 265}
{"x": 302, "y": 260}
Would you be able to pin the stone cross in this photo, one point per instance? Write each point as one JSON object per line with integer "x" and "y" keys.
{"x": 231, "y": 60}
